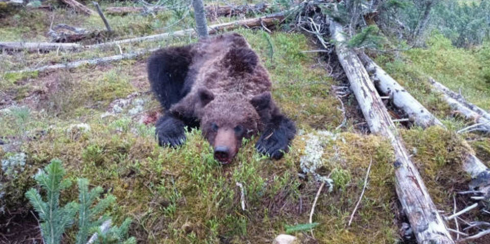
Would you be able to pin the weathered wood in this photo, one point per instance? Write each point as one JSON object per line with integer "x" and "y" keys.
{"x": 38, "y": 46}
{"x": 79, "y": 63}
{"x": 386, "y": 84}
{"x": 101, "y": 14}
{"x": 481, "y": 123}
{"x": 79, "y": 7}
{"x": 427, "y": 224}
{"x": 401, "y": 98}
{"x": 130, "y": 10}
{"x": 458, "y": 97}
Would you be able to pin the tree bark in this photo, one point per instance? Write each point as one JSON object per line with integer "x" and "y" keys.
{"x": 427, "y": 224}
{"x": 200, "y": 17}
{"x": 401, "y": 98}
{"x": 443, "y": 89}
{"x": 79, "y": 7}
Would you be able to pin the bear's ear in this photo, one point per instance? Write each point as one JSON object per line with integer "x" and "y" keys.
{"x": 205, "y": 96}
{"x": 261, "y": 101}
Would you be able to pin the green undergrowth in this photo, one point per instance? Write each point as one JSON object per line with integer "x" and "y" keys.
{"x": 184, "y": 196}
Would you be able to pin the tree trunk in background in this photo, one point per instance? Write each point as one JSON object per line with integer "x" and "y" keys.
{"x": 200, "y": 16}
{"x": 423, "y": 22}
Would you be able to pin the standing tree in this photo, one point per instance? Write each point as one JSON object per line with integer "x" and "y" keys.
{"x": 200, "y": 16}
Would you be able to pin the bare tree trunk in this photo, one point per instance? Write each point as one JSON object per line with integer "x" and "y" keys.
{"x": 427, "y": 224}
{"x": 200, "y": 16}
{"x": 422, "y": 25}
{"x": 101, "y": 14}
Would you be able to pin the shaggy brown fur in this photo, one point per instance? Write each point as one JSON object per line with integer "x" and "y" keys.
{"x": 226, "y": 89}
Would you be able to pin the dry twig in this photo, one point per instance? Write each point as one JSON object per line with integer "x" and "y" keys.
{"x": 362, "y": 193}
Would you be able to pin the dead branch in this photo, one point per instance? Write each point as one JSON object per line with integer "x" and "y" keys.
{"x": 38, "y": 46}
{"x": 461, "y": 109}
{"x": 101, "y": 14}
{"x": 79, "y": 63}
{"x": 412, "y": 193}
{"x": 103, "y": 229}
{"x": 458, "y": 97}
{"x": 79, "y": 7}
{"x": 362, "y": 193}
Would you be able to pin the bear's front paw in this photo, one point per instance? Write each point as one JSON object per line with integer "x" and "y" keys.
{"x": 170, "y": 140}
{"x": 170, "y": 132}
{"x": 273, "y": 144}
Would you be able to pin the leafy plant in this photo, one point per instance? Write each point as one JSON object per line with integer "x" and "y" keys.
{"x": 55, "y": 219}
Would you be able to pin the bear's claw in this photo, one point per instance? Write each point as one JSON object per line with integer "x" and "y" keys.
{"x": 170, "y": 131}
{"x": 272, "y": 145}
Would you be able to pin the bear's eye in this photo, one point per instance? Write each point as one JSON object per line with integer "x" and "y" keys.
{"x": 214, "y": 127}
{"x": 238, "y": 129}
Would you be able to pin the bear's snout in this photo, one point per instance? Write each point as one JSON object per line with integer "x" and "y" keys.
{"x": 225, "y": 147}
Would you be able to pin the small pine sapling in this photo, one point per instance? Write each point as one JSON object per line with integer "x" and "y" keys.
{"x": 54, "y": 219}
{"x": 86, "y": 215}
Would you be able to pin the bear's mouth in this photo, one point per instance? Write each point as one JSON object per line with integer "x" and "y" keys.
{"x": 223, "y": 154}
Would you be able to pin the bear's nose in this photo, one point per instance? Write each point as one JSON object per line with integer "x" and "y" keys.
{"x": 222, "y": 154}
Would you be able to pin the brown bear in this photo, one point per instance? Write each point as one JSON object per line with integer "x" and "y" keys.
{"x": 220, "y": 85}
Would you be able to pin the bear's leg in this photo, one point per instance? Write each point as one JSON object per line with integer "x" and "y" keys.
{"x": 170, "y": 131}
{"x": 276, "y": 137}
{"x": 168, "y": 70}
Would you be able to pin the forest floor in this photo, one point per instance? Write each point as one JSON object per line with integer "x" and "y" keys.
{"x": 99, "y": 120}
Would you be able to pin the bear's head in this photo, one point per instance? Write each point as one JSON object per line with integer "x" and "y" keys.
{"x": 228, "y": 118}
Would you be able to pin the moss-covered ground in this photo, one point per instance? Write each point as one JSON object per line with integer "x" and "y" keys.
{"x": 91, "y": 118}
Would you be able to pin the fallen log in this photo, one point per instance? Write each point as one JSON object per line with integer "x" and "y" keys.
{"x": 79, "y": 7}
{"x": 267, "y": 20}
{"x": 130, "y": 10}
{"x": 79, "y": 63}
{"x": 212, "y": 11}
{"x": 458, "y": 97}
{"x": 386, "y": 84}
{"x": 38, "y": 46}
{"x": 481, "y": 123}
{"x": 230, "y": 11}
{"x": 426, "y": 222}
{"x": 401, "y": 98}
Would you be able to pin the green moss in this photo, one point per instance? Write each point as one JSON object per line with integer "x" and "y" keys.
{"x": 438, "y": 155}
